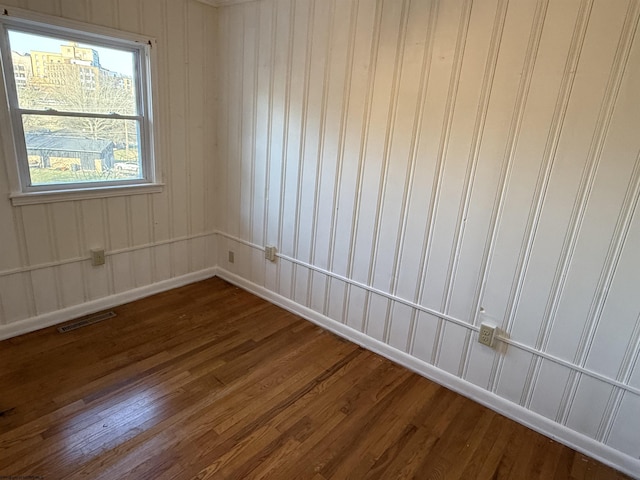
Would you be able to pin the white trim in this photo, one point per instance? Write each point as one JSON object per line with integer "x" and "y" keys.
{"x": 41, "y": 266}
{"x": 52, "y": 196}
{"x": 448, "y": 318}
{"x": 543, "y": 425}
{"x": 97, "y": 31}
{"x": 59, "y": 316}
{"x": 245, "y": 242}
{"x": 74, "y": 114}
{"x": 141, "y": 46}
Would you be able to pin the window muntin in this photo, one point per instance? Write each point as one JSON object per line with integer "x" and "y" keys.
{"x": 79, "y": 105}
{"x": 57, "y": 157}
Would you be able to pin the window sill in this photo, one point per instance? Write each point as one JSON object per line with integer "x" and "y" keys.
{"x": 33, "y": 198}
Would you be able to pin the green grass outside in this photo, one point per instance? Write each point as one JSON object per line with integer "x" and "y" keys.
{"x": 124, "y": 156}
{"x": 48, "y": 176}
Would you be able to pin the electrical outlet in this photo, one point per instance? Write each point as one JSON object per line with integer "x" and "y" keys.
{"x": 486, "y": 334}
{"x": 97, "y": 257}
{"x": 270, "y": 253}
{"x": 232, "y": 257}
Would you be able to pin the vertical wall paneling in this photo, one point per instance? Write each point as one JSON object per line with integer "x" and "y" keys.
{"x": 344, "y": 107}
{"x": 294, "y": 142}
{"x": 101, "y": 13}
{"x": 11, "y": 256}
{"x": 424, "y": 166}
{"x": 510, "y": 251}
{"x": 221, "y": 111}
{"x": 175, "y": 51}
{"x": 449, "y": 24}
{"x": 48, "y": 298}
{"x": 16, "y": 297}
{"x": 248, "y": 111}
{"x": 281, "y": 58}
{"x": 478, "y": 364}
{"x": 570, "y": 61}
{"x": 312, "y": 189}
{"x": 74, "y": 9}
{"x": 570, "y": 185}
{"x": 400, "y": 328}
{"x": 318, "y": 71}
{"x": 211, "y": 79}
{"x": 155, "y": 18}
{"x": 358, "y": 83}
{"x": 375, "y": 324}
{"x": 359, "y": 129}
{"x": 453, "y": 303}
{"x": 44, "y": 259}
{"x": 44, "y": 6}
{"x": 455, "y": 33}
{"x": 263, "y": 52}
{"x": 581, "y": 418}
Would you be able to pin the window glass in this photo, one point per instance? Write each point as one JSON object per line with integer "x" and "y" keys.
{"x": 81, "y": 149}
{"x": 79, "y": 106}
{"x": 69, "y": 76}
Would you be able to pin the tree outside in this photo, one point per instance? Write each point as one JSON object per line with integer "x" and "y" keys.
{"x": 65, "y": 149}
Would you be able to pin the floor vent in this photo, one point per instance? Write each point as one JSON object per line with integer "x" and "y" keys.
{"x": 98, "y": 317}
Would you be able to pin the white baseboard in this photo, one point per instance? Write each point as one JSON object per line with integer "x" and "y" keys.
{"x": 59, "y": 316}
{"x": 543, "y": 425}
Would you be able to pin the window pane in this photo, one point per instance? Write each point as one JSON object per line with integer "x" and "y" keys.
{"x": 72, "y": 150}
{"x": 69, "y": 76}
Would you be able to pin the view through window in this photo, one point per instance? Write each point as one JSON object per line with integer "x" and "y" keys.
{"x": 78, "y": 108}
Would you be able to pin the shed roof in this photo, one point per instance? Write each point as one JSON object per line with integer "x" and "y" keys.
{"x": 48, "y": 141}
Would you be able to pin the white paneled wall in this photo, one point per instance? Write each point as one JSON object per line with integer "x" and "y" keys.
{"x": 421, "y": 165}
{"x": 152, "y": 241}
{"x": 426, "y": 165}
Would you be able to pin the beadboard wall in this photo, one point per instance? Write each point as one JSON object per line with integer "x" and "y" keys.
{"x": 153, "y": 241}
{"x": 423, "y": 166}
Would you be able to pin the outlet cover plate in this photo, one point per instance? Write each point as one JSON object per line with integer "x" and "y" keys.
{"x": 270, "y": 253}
{"x": 486, "y": 334}
{"x": 97, "y": 257}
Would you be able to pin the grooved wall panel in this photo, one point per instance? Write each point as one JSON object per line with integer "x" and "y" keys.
{"x": 44, "y": 249}
{"x": 424, "y": 165}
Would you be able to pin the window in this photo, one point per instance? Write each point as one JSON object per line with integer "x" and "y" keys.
{"x": 79, "y": 108}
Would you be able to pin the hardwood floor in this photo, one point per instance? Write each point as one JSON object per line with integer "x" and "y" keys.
{"x": 208, "y": 381}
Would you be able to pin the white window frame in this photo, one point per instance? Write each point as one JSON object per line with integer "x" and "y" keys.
{"x": 11, "y": 130}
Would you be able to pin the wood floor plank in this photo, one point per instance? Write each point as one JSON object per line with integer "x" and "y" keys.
{"x": 210, "y": 382}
